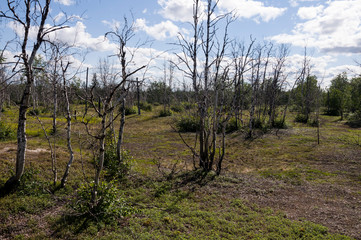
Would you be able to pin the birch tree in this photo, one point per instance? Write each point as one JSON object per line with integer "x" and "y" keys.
{"x": 208, "y": 80}
{"x": 29, "y": 15}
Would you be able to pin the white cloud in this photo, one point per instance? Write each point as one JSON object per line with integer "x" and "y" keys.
{"x": 176, "y": 10}
{"x": 309, "y": 12}
{"x": 333, "y": 28}
{"x": 322, "y": 67}
{"x": 183, "y": 10}
{"x": 160, "y": 31}
{"x": 76, "y": 36}
{"x": 295, "y": 3}
{"x": 65, "y": 2}
{"x": 251, "y": 9}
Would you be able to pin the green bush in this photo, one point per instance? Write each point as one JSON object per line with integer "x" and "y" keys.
{"x": 110, "y": 204}
{"x": 177, "y": 108}
{"x": 34, "y": 112}
{"x": 145, "y": 106}
{"x": 116, "y": 169}
{"x": 129, "y": 110}
{"x": 354, "y": 119}
{"x": 188, "y": 124}
{"x": 30, "y": 184}
{"x": 257, "y": 123}
{"x": 165, "y": 113}
{"x": 279, "y": 124}
{"x": 301, "y": 118}
{"x": 188, "y": 105}
{"x": 232, "y": 125}
{"x": 6, "y": 132}
{"x": 314, "y": 122}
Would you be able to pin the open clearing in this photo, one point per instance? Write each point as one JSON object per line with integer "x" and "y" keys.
{"x": 278, "y": 184}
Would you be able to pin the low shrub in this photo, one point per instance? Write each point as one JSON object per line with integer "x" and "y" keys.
{"x": 129, "y": 110}
{"x": 110, "y": 204}
{"x": 145, "y": 106}
{"x": 116, "y": 169}
{"x": 188, "y": 105}
{"x": 258, "y": 123}
{"x": 31, "y": 184}
{"x": 177, "y": 108}
{"x": 34, "y": 112}
{"x": 354, "y": 119}
{"x": 188, "y": 124}
{"x": 313, "y": 122}
{"x": 279, "y": 124}
{"x": 6, "y": 132}
{"x": 232, "y": 125}
{"x": 165, "y": 113}
{"x": 301, "y": 118}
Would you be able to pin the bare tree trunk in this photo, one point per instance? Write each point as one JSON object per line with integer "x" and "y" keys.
{"x": 68, "y": 135}
{"x": 138, "y": 97}
{"x": 121, "y": 131}
{"x": 55, "y": 106}
{"x": 21, "y": 136}
{"x": 100, "y": 162}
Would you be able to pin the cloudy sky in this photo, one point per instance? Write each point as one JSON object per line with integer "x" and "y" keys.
{"x": 331, "y": 30}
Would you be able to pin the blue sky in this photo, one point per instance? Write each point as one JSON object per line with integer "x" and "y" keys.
{"x": 331, "y": 30}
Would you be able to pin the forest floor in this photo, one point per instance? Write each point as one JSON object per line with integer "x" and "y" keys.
{"x": 279, "y": 185}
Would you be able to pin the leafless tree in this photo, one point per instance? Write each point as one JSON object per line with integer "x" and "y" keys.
{"x": 209, "y": 82}
{"x": 242, "y": 58}
{"x": 121, "y": 36}
{"x": 28, "y": 14}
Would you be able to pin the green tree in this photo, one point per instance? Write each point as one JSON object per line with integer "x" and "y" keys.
{"x": 156, "y": 92}
{"x": 305, "y": 96}
{"x": 338, "y": 99}
{"x": 355, "y": 94}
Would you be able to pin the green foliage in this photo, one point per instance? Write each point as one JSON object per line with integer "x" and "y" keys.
{"x": 279, "y": 124}
{"x": 162, "y": 188}
{"x": 354, "y": 119}
{"x": 130, "y": 110}
{"x": 165, "y": 113}
{"x": 258, "y": 123}
{"x": 189, "y": 106}
{"x": 232, "y": 125}
{"x": 6, "y": 132}
{"x": 355, "y": 91}
{"x": 158, "y": 92}
{"x": 301, "y": 118}
{"x": 110, "y": 204}
{"x": 145, "y": 106}
{"x": 116, "y": 169}
{"x": 314, "y": 122}
{"x": 34, "y": 112}
{"x": 31, "y": 184}
{"x": 177, "y": 108}
{"x": 188, "y": 124}
{"x": 338, "y": 96}
{"x": 305, "y": 95}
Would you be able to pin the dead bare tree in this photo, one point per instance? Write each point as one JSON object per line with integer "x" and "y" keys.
{"x": 209, "y": 82}
{"x": 121, "y": 37}
{"x": 30, "y": 15}
{"x": 242, "y": 58}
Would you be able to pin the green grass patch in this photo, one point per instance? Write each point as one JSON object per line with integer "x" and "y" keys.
{"x": 292, "y": 176}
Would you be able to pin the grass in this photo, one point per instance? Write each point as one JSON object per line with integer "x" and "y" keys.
{"x": 265, "y": 191}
